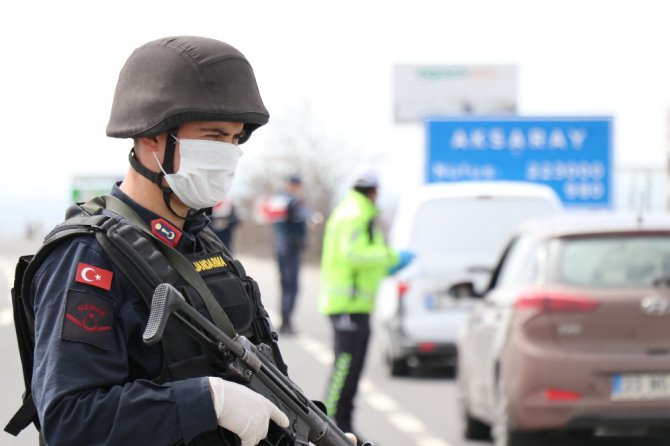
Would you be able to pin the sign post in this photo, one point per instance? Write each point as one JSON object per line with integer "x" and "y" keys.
{"x": 571, "y": 155}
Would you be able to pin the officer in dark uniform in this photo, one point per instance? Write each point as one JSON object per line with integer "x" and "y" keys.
{"x": 290, "y": 240}
{"x": 187, "y": 102}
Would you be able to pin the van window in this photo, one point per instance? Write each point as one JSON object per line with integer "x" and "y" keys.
{"x": 472, "y": 226}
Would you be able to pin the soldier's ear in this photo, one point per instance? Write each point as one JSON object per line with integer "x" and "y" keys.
{"x": 150, "y": 143}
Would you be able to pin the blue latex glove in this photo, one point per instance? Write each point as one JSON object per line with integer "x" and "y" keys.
{"x": 406, "y": 258}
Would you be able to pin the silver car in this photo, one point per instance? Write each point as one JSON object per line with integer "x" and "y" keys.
{"x": 456, "y": 231}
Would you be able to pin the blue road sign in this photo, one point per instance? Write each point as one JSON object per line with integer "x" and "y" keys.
{"x": 571, "y": 155}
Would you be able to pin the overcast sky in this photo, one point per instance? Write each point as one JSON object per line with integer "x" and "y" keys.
{"x": 60, "y": 61}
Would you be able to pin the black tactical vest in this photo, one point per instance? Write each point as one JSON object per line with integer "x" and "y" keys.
{"x": 142, "y": 260}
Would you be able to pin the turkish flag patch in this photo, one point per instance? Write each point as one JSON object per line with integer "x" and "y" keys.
{"x": 89, "y": 319}
{"x": 94, "y": 275}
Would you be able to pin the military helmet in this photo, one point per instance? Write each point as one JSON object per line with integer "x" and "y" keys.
{"x": 173, "y": 80}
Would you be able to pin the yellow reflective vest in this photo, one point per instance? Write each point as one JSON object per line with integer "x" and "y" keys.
{"x": 355, "y": 257}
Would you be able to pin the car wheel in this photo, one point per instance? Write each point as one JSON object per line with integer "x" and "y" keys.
{"x": 473, "y": 429}
{"x": 398, "y": 367}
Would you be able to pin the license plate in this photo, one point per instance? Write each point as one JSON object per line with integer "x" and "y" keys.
{"x": 439, "y": 301}
{"x": 643, "y": 386}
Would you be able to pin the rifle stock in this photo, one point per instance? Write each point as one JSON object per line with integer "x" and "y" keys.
{"x": 252, "y": 363}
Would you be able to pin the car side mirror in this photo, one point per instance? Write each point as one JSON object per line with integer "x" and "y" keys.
{"x": 479, "y": 269}
{"x": 463, "y": 289}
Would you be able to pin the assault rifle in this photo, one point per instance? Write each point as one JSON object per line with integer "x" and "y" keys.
{"x": 253, "y": 364}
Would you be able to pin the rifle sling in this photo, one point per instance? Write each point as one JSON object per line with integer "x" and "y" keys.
{"x": 176, "y": 259}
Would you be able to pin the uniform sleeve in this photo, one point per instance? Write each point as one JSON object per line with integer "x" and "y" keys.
{"x": 82, "y": 385}
{"x": 363, "y": 246}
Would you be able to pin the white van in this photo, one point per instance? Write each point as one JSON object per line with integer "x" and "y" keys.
{"x": 457, "y": 231}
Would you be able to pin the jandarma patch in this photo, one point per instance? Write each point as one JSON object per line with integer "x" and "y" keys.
{"x": 88, "y": 318}
{"x": 165, "y": 231}
{"x": 211, "y": 262}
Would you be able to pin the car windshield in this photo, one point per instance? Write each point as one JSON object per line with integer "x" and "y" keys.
{"x": 472, "y": 226}
{"x": 623, "y": 260}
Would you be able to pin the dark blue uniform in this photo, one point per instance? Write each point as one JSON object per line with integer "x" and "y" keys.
{"x": 92, "y": 372}
{"x": 290, "y": 239}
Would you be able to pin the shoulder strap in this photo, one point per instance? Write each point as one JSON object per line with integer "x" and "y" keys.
{"x": 180, "y": 263}
{"x": 26, "y": 414}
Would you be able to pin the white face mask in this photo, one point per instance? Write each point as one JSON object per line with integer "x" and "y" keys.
{"x": 206, "y": 171}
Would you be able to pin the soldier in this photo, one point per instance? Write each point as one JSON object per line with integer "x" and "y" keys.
{"x": 187, "y": 103}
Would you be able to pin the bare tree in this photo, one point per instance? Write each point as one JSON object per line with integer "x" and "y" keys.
{"x": 297, "y": 144}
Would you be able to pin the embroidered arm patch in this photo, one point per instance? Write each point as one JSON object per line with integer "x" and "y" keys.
{"x": 88, "y": 318}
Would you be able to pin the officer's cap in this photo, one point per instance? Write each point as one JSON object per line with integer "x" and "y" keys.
{"x": 294, "y": 179}
{"x": 367, "y": 178}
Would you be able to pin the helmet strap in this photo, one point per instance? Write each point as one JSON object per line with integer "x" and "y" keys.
{"x": 168, "y": 167}
{"x": 170, "y": 146}
{"x": 154, "y": 177}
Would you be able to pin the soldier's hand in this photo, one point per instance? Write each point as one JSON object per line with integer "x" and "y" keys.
{"x": 243, "y": 411}
{"x": 351, "y": 438}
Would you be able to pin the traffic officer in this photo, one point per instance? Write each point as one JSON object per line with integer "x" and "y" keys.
{"x": 354, "y": 260}
{"x": 187, "y": 103}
